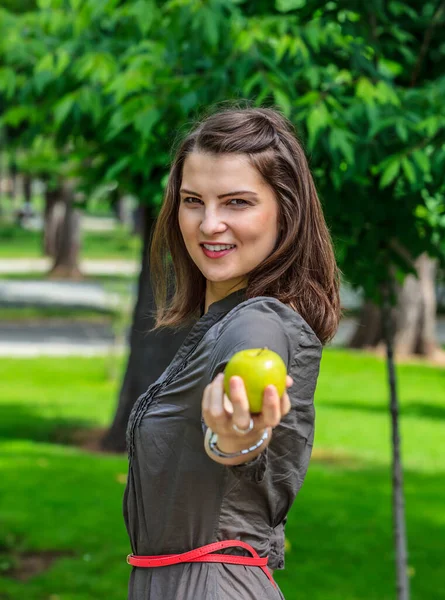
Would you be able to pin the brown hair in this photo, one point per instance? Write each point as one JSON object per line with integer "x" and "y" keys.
{"x": 301, "y": 271}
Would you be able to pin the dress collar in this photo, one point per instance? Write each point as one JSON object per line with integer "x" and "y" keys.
{"x": 228, "y": 302}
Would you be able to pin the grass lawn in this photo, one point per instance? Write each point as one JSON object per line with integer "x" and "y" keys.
{"x": 22, "y": 243}
{"x": 339, "y": 532}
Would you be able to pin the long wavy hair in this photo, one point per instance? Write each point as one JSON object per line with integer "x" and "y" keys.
{"x": 301, "y": 271}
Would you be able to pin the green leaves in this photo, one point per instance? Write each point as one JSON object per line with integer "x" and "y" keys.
{"x": 382, "y": 93}
{"x": 118, "y": 81}
{"x": 318, "y": 118}
{"x": 63, "y": 108}
{"x": 145, "y": 121}
{"x": 288, "y": 5}
{"x": 343, "y": 140}
{"x": 115, "y": 169}
{"x": 7, "y": 81}
{"x": 283, "y": 101}
{"x": 390, "y": 173}
{"x": 422, "y": 161}
{"x": 17, "y": 115}
{"x": 409, "y": 170}
{"x": 97, "y": 67}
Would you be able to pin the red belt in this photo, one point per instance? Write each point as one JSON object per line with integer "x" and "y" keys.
{"x": 203, "y": 554}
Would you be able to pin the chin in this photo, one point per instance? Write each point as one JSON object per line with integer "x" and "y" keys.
{"x": 220, "y": 279}
{"x": 218, "y": 275}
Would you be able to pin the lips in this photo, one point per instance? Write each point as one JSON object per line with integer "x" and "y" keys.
{"x": 216, "y": 244}
{"x": 217, "y": 253}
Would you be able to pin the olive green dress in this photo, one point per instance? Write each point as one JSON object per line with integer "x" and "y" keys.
{"x": 177, "y": 498}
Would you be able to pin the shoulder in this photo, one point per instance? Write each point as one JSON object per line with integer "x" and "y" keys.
{"x": 266, "y": 313}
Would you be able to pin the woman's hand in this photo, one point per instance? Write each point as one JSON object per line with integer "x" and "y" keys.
{"x": 220, "y": 413}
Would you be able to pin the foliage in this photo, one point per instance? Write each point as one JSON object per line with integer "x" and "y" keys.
{"x": 113, "y": 83}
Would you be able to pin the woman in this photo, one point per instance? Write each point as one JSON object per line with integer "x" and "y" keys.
{"x": 202, "y": 469}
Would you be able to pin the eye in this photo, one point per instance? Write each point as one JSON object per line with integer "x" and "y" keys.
{"x": 238, "y": 200}
{"x": 191, "y": 200}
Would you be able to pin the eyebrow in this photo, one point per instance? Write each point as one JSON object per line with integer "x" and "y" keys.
{"x": 238, "y": 193}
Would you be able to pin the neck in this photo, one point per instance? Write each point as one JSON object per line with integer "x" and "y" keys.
{"x": 214, "y": 294}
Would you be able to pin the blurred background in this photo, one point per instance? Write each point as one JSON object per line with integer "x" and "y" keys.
{"x": 93, "y": 95}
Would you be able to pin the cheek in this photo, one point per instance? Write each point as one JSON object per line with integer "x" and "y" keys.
{"x": 184, "y": 224}
{"x": 258, "y": 228}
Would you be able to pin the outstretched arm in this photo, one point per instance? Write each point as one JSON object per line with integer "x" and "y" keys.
{"x": 220, "y": 413}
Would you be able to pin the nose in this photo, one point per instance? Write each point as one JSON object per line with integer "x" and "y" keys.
{"x": 212, "y": 224}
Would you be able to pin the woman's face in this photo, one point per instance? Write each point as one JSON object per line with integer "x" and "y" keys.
{"x": 224, "y": 200}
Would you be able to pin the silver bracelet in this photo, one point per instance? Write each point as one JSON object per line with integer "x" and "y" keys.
{"x": 213, "y": 439}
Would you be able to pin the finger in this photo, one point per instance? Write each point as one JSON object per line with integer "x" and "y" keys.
{"x": 289, "y": 381}
{"x": 258, "y": 421}
{"x": 228, "y": 406}
{"x": 271, "y": 406}
{"x": 216, "y": 406}
{"x": 240, "y": 403}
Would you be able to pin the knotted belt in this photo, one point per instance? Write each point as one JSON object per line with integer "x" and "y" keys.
{"x": 204, "y": 554}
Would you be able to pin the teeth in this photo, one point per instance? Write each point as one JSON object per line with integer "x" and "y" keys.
{"x": 217, "y": 248}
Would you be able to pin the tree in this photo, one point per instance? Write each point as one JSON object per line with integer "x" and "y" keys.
{"x": 120, "y": 80}
{"x": 31, "y": 138}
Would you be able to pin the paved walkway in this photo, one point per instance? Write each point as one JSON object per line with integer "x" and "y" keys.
{"x": 58, "y": 338}
{"x": 64, "y": 294}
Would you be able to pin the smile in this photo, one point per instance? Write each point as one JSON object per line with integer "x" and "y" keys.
{"x": 217, "y": 253}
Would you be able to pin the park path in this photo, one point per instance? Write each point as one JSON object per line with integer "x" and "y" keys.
{"x": 58, "y": 337}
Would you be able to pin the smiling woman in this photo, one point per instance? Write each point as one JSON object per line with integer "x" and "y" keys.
{"x": 241, "y": 177}
{"x": 253, "y": 267}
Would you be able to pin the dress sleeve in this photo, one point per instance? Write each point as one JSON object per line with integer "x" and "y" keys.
{"x": 282, "y": 466}
{"x": 253, "y": 327}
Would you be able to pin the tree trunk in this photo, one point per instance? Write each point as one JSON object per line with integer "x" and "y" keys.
{"x": 138, "y": 220}
{"x": 369, "y": 328}
{"x": 27, "y": 192}
{"x": 13, "y": 188}
{"x": 123, "y": 211}
{"x": 398, "y": 499}
{"x": 52, "y": 219}
{"x": 415, "y": 315}
{"x": 150, "y": 353}
{"x": 66, "y": 257}
{"x": 416, "y": 326}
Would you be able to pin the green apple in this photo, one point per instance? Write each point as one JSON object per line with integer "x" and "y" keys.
{"x": 258, "y": 368}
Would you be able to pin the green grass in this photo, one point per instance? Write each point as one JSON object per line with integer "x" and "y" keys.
{"x": 44, "y": 313}
{"x": 117, "y": 281}
{"x": 339, "y": 530}
{"x": 119, "y": 244}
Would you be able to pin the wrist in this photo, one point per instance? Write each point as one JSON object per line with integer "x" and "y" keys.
{"x": 243, "y": 454}
{"x": 230, "y": 444}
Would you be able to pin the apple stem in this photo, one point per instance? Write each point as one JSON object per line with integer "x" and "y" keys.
{"x": 262, "y": 350}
